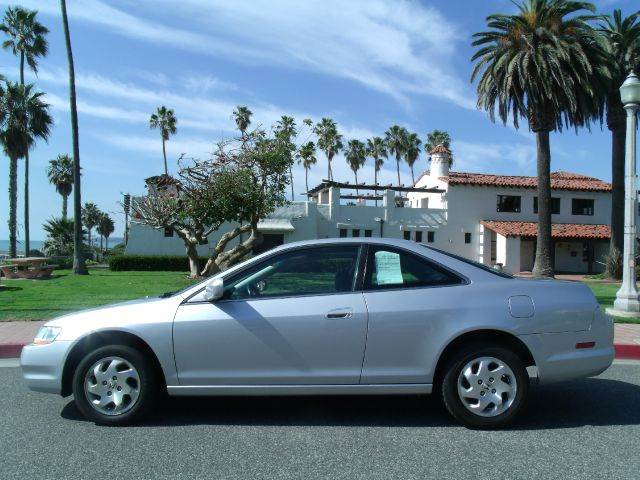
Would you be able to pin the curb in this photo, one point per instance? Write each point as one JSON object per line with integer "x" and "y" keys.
{"x": 623, "y": 350}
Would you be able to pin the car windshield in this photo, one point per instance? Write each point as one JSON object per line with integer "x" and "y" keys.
{"x": 481, "y": 266}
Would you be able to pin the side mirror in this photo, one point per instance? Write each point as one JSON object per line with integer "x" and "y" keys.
{"x": 214, "y": 290}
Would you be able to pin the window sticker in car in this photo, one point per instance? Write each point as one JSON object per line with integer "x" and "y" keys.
{"x": 388, "y": 270}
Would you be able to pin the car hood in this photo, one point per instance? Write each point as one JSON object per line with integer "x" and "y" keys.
{"x": 123, "y": 315}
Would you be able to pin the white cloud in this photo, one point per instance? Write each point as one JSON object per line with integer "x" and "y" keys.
{"x": 509, "y": 158}
{"x": 398, "y": 47}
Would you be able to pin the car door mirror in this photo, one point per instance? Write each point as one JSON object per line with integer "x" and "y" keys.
{"x": 214, "y": 290}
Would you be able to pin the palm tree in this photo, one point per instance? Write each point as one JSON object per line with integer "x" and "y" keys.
{"x": 286, "y": 131}
{"x": 60, "y": 174}
{"x": 545, "y": 65}
{"x": 396, "y": 140}
{"x": 59, "y": 241}
{"x": 165, "y": 120}
{"x": 105, "y": 228}
{"x": 24, "y": 118}
{"x": 329, "y": 141}
{"x": 412, "y": 152}
{"x": 621, "y": 40}
{"x": 356, "y": 156}
{"x": 79, "y": 266}
{"x": 307, "y": 157}
{"x": 435, "y": 138}
{"x": 26, "y": 39}
{"x": 376, "y": 149}
{"x": 242, "y": 117}
{"x": 91, "y": 215}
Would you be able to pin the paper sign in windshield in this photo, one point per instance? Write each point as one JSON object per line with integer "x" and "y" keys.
{"x": 388, "y": 269}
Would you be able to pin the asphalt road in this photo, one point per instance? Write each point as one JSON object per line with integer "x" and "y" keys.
{"x": 583, "y": 429}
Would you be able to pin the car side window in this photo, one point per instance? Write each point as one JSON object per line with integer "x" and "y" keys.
{"x": 306, "y": 271}
{"x": 391, "y": 268}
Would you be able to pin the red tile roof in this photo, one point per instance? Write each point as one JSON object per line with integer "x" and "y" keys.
{"x": 558, "y": 230}
{"x": 559, "y": 181}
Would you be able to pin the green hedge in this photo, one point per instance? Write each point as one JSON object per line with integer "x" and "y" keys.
{"x": 171, "y": 263}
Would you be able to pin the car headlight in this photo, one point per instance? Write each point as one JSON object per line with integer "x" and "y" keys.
{"x": 46, "y": 335}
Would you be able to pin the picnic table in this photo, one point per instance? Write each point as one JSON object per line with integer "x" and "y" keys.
{"x": 27, "y": 267}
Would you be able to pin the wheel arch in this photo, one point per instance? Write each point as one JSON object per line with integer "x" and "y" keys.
{"x": 95, "y": 340}
{"x": 485, "y": 336}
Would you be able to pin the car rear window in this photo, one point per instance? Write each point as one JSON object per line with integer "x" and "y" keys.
{"x": 481, "y": 266}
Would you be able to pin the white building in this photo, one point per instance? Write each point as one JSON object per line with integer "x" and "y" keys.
{"x": 487, "y": 218}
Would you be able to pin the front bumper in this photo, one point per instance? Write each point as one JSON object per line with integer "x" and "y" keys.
{"x": 558, "y": 359}
{"x": 42, "y": 366}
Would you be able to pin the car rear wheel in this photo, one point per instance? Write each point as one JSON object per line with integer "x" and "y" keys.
{"x": 485, "y": 386}
{"x": 115, "y": 385}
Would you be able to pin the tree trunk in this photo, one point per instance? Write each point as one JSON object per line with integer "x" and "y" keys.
{"x": 101, "y": 243}
{"x": 192, "y": 253}
{"x": 306, "y": 180}
{"x": 398, "y": 167}
{"x": 330, "y": 172}
{"x": 13, "y": 204}
{"x": 355, "y": 173}
{"x": 375, "y": 178}
{"x": 617, "y": 186}
{"x": 27, "y": 245}
{"x": 413, "y": 178}
{"x": 543, "y": 266}
{"x": 213, "y": 263}
{"x": 64, "y": 206}
{"x": 79, "y": 266}
{"x": 164, "y": 155}
{"x": 106, "y": 243}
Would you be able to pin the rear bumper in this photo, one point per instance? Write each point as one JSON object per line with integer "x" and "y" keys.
{"x": 42, "y": 366}
{"x": 558, "y": 359}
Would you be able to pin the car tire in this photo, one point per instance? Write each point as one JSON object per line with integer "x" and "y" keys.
{"x": 120, "y": 374}
{"x": 469, "y": 379}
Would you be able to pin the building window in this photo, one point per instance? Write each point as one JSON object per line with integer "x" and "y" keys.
{"x": 467, "y": 236}
{"x": 168, "y": 232}
{"x": 508, "y": 203}
{"x": 367, "y": 233}
{"x": 407, "y": 234}
{"x": 343, "y": 232}
{"x": 582, "y": 206}
{"x": 355, "y": 232}
{"x": 555, "y": 205}
{"x": 430, "y": 237}
{"x": 418, "y": 236}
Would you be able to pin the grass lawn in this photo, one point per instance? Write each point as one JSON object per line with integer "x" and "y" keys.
{"x": 65, "y": 292}
{"x": 606, "y": 294}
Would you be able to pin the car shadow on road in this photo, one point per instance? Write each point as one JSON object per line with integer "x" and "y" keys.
{"x": 591, "y": 401}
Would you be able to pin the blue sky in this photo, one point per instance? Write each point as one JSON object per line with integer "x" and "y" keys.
{"x": 368, "y": 64}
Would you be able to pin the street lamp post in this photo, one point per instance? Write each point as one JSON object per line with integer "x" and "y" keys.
{"x": 627, "y": 301}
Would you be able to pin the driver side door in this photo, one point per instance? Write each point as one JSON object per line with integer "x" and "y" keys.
{"x": 294, "y": 318}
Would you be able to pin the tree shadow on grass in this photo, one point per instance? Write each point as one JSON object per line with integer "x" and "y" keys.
{"x": 593, "y": 401}
{"x": 9, "y": 288}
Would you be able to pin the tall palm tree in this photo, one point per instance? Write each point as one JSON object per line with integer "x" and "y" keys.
{"x": 26, "y": 39}
{"x": 24, "y": 117}
{"x": 545, "y": 65}
{"x": 307, "y": 158}
{"x": 396, "y": 139}
{"x": 329, "y": 141}
{"x": 60, "y": 174}
{"x": 621, "y": 40}
{"x": 412, "y": 153}
{"x": 435, "y": 138}
{"x": 91, "y": 215}
{"x": 242, "y": 117}
{"x": 376, "y": 149}
{"x": 286, "y": 131}
{"x": 356, "y": 156}
{"x": 79, "y": 266}
{"x": 164, "y": 120}
{"x": 105, "y": 228}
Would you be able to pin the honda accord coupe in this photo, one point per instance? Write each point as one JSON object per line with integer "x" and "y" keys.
{"x": 328, "y": 317}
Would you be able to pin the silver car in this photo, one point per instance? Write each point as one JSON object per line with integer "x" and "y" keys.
{"x": 329, "y": 317}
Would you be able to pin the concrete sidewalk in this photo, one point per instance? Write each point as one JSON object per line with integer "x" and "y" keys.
{"x": 15, "y": 335}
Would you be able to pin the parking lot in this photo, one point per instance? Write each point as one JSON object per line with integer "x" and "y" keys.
{"x": 582, "y": 429}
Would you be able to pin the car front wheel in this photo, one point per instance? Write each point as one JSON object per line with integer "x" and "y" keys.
{"x": 485, "y": 387}
{"x": 115, "y": 385}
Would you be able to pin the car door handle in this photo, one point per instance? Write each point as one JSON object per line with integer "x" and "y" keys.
{"x": 340, "y": 313}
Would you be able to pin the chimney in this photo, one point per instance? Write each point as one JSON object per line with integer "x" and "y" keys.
{"x": 440, "y": 161}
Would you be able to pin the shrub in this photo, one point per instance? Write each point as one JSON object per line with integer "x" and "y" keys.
{"x": 170, "y": 263}
{"x": 613, "y": 263}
